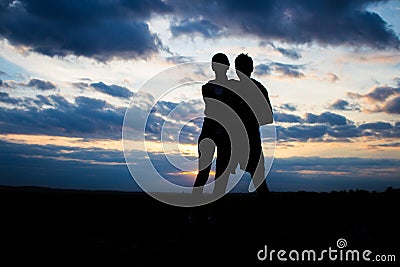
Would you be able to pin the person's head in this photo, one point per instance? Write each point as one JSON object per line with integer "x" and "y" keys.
{"x": 220, "y": 63}
{"x": 244, "y": 64}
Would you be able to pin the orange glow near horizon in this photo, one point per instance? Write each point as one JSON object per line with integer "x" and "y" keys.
{"x": 361, "y": 147}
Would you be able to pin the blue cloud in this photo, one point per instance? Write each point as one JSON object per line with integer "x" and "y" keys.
{"x": 284, "y": 117}
{"x": 262, "y": 69}
{"x": 202, "y": 27}
{"x": 286, "y": 70}
{"x": 301, "y": 132}
{"x": 392, "y": 106}
{"x": 340, "y": 104}
{"x": 288, "y": 106}
{"x": 112, "y": 90}
{"x": 376, "y": 126}
{"x": 348, "y": 23}
{"x": 41, "y": 85}
{"x": 87, "y": 116}
{"x": 326, "y": 117}
{"x": 90, "y": 28}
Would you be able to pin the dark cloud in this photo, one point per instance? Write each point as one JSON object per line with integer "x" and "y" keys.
{"x": 326, "y": 117}
{"x": 290, "y": 53}
{"x": 262, "y": 69}
{"x": 41, "y": 85}
{"x": 81, "y": 85}
{"x": 341, "y": 104}
{"x": 283, "y": 117}
{"x": 112, "y": 90}
{"x": 392, "y": 106}
{"x": 289, "y": 70}
{"x": 383, "y": 98}
{"x": 287, "y": 52}
{"x": 299, "y": 22}
{"x": 86, "y": 117}
{"x": 378, "y": 94}
{"x": 192, "y": 27}
{"x": 316, "y": 126}
{"x": 344, "y": 131}
{"x": 286, "y": 70}
{"x": 90, "y": 28}
{"x": 5, "y": 98}
{"x": 375, "y": 126}
{"x": 301, "y": 132}
{"x": 288, "y": 106}
{"x": 107, "y": 29}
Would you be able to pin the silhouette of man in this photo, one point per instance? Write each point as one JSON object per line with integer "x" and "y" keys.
{"x": 252, "y": 104}
{"x": 213, "y": 135}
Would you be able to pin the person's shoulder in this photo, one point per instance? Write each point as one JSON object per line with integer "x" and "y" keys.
{"x": 257, "y": 83}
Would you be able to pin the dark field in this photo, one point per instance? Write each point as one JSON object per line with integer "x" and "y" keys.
{"x": 85, "y": 228}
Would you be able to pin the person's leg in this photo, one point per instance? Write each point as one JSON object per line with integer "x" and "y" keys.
{"x": 206, "y": 148}
{"x": 223, "y": 159}
{"x": 258, "y": 177}
{"x": 256, "y": 166}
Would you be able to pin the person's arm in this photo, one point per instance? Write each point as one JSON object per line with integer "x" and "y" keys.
{"x": 265, "y": 93}
{"x": 266, "y": 114}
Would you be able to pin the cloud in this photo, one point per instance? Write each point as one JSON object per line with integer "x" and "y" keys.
{"x": 41, "y": 85}
{"x": 288, "y": 106}
{"x": 192, "y": 27}
{"x": 283, "y": 117}
{"x": 333, "y": 77}
{"x": 112, "y": 90}
{"x": 92, "y": 28}
{"x": 341, "y": 104}
{"x": 375, "y": 126}
{"x": 383, "y": 98}
{"x": 392, "y": 106}
{"x": 288, "y": 70}
{"x": 285, "y": 70}
{"x": 377, "y": 94}
{"x": 86, "y": 117}
{"x": 179, "y": 59}
{"x": 326, "y": 117}
{"x": 262, "y": 69}
{"x": 287, "y": 52}
{"x": 5, "y": 98}
{"x": 348, "y": 23}
{"x": 301, "y": 132}
{"x": 344, "y": 131}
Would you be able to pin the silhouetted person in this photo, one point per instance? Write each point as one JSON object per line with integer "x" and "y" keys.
{"x": 213, "y": 135}
{"x": 254, "y": 108}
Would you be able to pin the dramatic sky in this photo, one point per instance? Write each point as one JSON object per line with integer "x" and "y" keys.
{"x": 68, "y": 70}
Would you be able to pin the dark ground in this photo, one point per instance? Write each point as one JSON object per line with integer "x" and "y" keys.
{"x": 85, "y": 228}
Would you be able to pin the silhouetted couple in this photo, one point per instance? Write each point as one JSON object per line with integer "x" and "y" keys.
{"x": 234, "y": 112}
